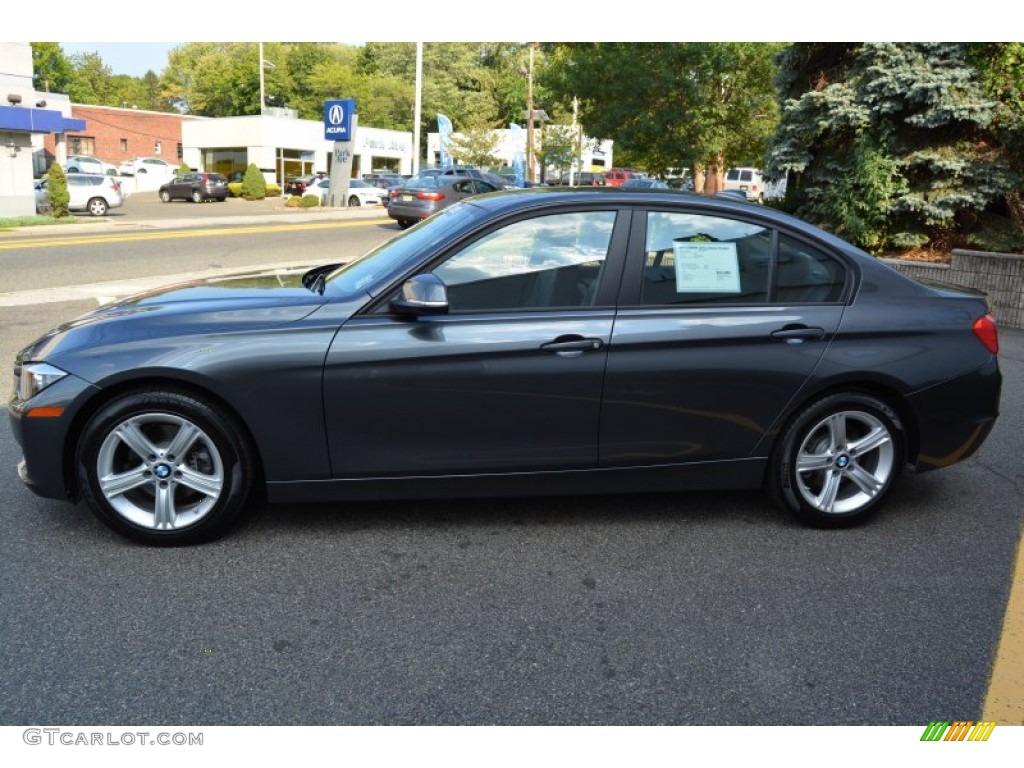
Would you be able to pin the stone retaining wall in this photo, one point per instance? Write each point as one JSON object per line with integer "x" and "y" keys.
{"x": 1000, "y": 275}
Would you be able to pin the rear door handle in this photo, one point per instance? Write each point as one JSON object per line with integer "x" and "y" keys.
{"x": 798, "y": 333}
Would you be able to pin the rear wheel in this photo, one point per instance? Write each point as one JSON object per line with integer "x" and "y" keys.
{"x": 353, "y": 202}
{"x": 405, "y": 223}
{"x": 838, "y": 460}
{"x": 164, "y": 468}
{"x": 97, "y": 206}
{"x": 197, "y": 196}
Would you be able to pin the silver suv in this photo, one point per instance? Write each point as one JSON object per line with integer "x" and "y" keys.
{"x": 89, "y": 192}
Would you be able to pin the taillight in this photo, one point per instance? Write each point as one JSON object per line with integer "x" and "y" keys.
{"x": 987, "y": 332}
{"x": 430, "y": 196}
{"x": 393, "y": 193}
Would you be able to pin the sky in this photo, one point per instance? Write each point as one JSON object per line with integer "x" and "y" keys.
{"x": 133, "y": 59}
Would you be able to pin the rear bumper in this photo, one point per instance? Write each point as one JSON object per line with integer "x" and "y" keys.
{"x": 955, "y": 417}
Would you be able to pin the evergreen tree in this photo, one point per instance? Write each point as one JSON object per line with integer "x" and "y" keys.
{"x": 254, "y": 186}
{"x": 57, "y": 191}
{"x": 889, "y": 145}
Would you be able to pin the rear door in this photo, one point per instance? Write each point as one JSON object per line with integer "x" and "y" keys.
{"x": 722, "y": 322}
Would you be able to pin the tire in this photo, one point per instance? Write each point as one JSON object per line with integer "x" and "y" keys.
{"x": 97, "y": 206}
{"x": 164, "y": 468}
{"x": 165, "y": 196}
{"x": 197, "y": 196}
{"x": 353, "y": 202}
{"x": 838, "y": 460}
{"x": 405, "y": 223}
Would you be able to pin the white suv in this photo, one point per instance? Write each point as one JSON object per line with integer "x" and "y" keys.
{"x": 746, "y": 180}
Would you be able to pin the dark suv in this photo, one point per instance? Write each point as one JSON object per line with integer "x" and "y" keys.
{"x": 195, "y": 186}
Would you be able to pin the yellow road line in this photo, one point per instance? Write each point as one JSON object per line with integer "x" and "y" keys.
{"x": 51, "y": 242}
{"x": 1004, "y": 702}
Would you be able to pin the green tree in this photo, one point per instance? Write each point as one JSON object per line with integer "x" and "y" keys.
{"x": 254, "y": 186}
{"x": 559, "y": 148}
{"x": 91, "y": 80}
{"x": 476, "y": 145}
{"x": 52, "y": 70}
{"x": 57, "y": 191}
{"x": 909, "y": 126}
{"x": 700, "y": 105}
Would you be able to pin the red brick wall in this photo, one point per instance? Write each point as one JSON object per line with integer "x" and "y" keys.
{"x": 142, "y": 129}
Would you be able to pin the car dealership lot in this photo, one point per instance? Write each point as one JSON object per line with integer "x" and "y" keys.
{"x": 668, "y": 608}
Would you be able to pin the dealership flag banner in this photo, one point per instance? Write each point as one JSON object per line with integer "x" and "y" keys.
{"x": 518, "y": 153}
{"x": 444, "y": 135}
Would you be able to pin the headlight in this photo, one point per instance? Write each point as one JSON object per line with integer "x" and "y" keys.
{"x": 35, "y": 377}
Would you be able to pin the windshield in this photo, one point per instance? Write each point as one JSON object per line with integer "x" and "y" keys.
{"x": 378, "y": 268}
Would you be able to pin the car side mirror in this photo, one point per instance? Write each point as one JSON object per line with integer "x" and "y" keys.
{"x": 423, "y": 294}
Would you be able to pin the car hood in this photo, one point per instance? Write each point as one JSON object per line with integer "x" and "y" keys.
{"x": 237, "y": 302}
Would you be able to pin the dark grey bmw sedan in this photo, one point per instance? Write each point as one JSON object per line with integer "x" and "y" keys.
{"x": 531, "y": 342}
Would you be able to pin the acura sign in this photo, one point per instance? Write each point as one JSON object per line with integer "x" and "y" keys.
{"x": 338, "y": 119}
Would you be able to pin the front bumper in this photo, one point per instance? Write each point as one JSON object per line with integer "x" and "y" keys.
{"x": 45, "y": 440}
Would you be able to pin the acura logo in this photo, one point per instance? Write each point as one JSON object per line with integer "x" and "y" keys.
{"x": 336, "y": 114}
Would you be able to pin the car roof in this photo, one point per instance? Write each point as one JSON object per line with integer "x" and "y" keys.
{"x": 509, "y": 201}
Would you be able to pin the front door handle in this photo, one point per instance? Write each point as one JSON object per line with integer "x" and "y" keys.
{"x": 572, "y": 346}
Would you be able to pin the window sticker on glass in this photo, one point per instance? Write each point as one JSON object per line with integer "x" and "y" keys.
{"x": 703, "y": 267}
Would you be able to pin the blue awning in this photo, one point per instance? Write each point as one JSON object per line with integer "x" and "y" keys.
{"x": 33, "y": 120}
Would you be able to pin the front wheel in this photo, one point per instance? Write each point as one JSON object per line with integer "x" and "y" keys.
{"x": 353, "y": 202}
{"x": 164, "y": 468}
{"x": 838, "y": 460}
{"x": 97, "y": 206}
{"x": 165, "y": 196}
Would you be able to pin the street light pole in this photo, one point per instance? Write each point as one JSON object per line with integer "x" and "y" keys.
{"x": 529, "y": 117}
{"x": 263, "y": 99}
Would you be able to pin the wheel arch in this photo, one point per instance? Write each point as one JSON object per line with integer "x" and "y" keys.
{"x": 108, "y": 394}
{"x": 887, "y": 392}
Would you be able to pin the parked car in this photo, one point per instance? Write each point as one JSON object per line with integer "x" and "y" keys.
{"x": 147, "y": 166}
{"x": 616, "y": 177}
{"x": 359, "y": 192}
{"x": 419, "y": 198}
{"x": 383, "y": 180}
{"x": 644, "y": 184}
{"x": 89, "y": 192}
{"x": 89, "y": 164}
{"x": 582, "y": 179}
{"x": 530, "y": 342}
{"x": 196, "y": 186}
{"x": 746, "y": 180}
{"x": 297, "y": 185}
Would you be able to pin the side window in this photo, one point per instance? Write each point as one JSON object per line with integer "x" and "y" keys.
{"x": 698, "y": 259}
{"x": 805, "y": 274}
{"x": 463, "y": 187}
{"x": 544, "y": 262}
